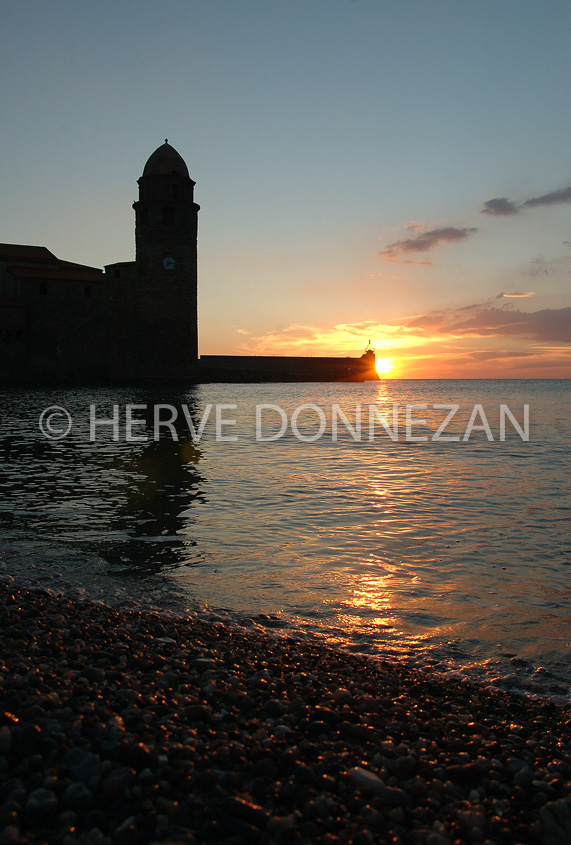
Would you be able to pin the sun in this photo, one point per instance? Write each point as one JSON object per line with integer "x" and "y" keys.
{"x": 383, "y": 365}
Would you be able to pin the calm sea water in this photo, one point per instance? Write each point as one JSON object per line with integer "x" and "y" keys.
{"x": 453, "y": 555}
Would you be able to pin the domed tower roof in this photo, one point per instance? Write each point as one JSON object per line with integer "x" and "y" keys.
{"x": 164, "y": 161}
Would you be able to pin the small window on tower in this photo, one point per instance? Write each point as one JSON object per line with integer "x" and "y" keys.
{"x": 87, "y": 291}
{"x": 43, "y": 288}
{"x": 168, "y": 215}
{"x": 175, "y": 191}
{"x": 144, "y": 217}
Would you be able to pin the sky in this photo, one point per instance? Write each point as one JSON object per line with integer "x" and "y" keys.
{"x": 396, "y": 171}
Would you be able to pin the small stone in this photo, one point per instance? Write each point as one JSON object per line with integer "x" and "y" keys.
{"x": 437, "y": 839}
{"x": 83, "y": 766}
{"x": 66, "y": 821}
{"x": 274, "y": 707}
{"x": 95, "y": 819}
{"x": 28, "y": 741}
{"x": 405, "y": 767}
{"x": 471, "y": 818}
{"x": 515, "y": 765}
{"x": 117, "y": 782}
{"x": 10, "y": 834}
{"x": 95, "y": 675}
{"x": 278, "y": 825}
{"x": 198, "y": 713}
{"x": 13, "y": 789}
{"x": 252, "y": 813}
{"x": 40, "y": 805}
{"x": 342, "y": 696}
{"x": 523, "y": 777}
{"x": 397, "y": 797}
{"x": 555, "y": 819}
{"x": 78, "y": 795}
{"x": 367, "y": 781}
{"x": 5, "y": 739}
{"x": 305, "y": 773}
{"x": 265, "y": 768}
{"x": 464, "y": 773}
{"x": 397, "y": 815}
{"x": 544, "y": 787}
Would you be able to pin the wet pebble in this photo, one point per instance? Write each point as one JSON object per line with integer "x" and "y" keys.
{"x": 367, "y": 781}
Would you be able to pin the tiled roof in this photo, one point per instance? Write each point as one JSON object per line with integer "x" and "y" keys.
{"x": 24, "y": 253}
{"x": 37, "y": 262}
{"x": 74, "y": 266}
{"x": 76, "y": 273}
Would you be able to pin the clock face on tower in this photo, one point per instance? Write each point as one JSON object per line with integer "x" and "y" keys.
{"x": 169, "y": 262}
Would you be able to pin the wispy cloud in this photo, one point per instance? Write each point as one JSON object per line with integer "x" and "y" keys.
{"x": 518, "y": 293}
{"x": 424, "y": 241}
{"x": 496, "y": 318}
{"x": 499, "y": 206}
{"x": 502, "y": 206}
{"x": 553, "y": 198}
{"x": 538, "y": 269}
{"x": 499, "y": 354}
{"x": 549, "y": 324}
{"x": 341, "y": 339}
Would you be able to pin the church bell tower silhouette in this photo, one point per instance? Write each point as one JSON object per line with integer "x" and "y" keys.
{"x": 165, "y": 297}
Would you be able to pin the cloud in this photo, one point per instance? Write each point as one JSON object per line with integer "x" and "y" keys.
{"x": 499, "y": 354}
{"x": 427, "y": 321}
{"x": 503, "y": 207}
{"x": 499, "y": 206}
{"x": 538, "y": 268}
{"x": 517, "y": 293}
{"x": 487, "y": 320}
{"x": 482, "y": 340}
{"x": 424, "y": 241}
{"x": 551, "y": 324}
{"x": 340, "y": 339}
{"x": 553, "y": 198}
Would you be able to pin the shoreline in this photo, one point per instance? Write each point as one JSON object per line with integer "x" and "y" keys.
{"x": 512, "y": 678}
{"x": 127, "y": 726}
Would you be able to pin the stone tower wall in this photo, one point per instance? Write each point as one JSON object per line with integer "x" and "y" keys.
{"x": 156, "y": 297}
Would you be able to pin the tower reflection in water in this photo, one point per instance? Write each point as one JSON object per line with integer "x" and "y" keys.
{"x": 163, "y": 481}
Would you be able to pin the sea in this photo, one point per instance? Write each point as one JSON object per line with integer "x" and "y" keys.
{"x": 420, "y": 521}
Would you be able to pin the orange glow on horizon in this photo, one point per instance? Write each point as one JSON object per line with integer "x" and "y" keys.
{"x": 419, "y": 351}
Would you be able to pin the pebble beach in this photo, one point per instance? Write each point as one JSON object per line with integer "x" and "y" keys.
{"x": 128, "y": 726}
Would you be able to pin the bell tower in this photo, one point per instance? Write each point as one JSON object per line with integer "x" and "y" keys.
{"x": 165, "y": 291}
